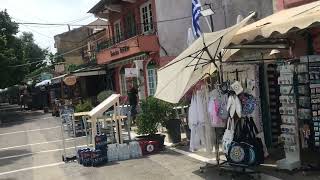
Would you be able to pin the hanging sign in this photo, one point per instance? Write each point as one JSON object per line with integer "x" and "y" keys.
{"x": 130, "y": 72}
{"x": 70, "y": 80}
{"x": 59, "y": 68}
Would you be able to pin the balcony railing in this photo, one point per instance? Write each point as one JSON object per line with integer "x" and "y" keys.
{"x": 140, "y": 29}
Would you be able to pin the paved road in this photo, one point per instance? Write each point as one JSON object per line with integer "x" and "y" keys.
{"x": 31, "y": 149}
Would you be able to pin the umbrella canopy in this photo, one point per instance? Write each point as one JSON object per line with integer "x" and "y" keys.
{"x": 194, "y": 63}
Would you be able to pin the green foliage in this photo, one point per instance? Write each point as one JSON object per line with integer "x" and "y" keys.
{"x": 104, "y": 95}
{"x": 154, "y": 112}
{"x": 15, "y": 51}
{"x": 55, "y": 58}
{"x": 84, "y": 106}
{"x": 32, "y": 53}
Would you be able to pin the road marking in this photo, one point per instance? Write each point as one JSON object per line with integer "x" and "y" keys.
{"x": 47, "y": 142}
{"x": 31, "y": 168}
{"x": 39, "y": 152}
{"x": 29, "y": 119}
{"x": 41, "y": 129}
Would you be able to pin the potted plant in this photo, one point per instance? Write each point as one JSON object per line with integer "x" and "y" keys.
{"x": 84, "y": 106}
{"x": 103, "y": 95}
{"x": 153, "y": 113}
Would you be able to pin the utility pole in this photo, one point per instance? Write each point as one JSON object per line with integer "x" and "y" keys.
{"x": 211, "y": 16}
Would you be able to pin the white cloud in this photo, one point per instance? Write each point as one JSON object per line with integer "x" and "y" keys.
{"x": 48, "y": 11}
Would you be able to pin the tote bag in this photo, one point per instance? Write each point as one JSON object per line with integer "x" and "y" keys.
{"x": 228, "y": 136}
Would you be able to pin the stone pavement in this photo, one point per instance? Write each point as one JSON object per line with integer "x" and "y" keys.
{"x": 31, "y": 148}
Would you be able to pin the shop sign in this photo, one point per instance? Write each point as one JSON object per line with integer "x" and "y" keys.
{"x": 117, "y": 51}
{"x": 45, "y": 76}
{"x": 59, "y": 68}
{"x": 70, "y": 80}
{"x": 130, "y": 72}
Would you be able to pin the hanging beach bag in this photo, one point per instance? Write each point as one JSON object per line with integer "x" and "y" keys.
{"x": 237, "y": 153}
{"x": 228, "y": 136}
{"x": 248, "y": 103}
{"x": 256, "y": 142}
{"x": 222, "y": 109}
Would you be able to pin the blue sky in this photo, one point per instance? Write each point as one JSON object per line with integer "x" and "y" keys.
{"x": 48, "y": 11}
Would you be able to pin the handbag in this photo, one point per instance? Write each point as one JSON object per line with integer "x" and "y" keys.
{"x": 256, "y": 142}
{"x": 248, "y": 103}
{"x": 246, "y": 149}
{"x": 237, "y": 152}
{"x": 228, "y": 136}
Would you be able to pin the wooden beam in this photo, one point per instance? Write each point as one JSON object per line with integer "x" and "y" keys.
{"x": 114, "y": 7}
{"x": 266, "y": 46}
{"x": 130, "y": 1}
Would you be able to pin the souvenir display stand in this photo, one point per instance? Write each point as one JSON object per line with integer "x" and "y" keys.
{"x": 68, "y": 124}
{"x": 289, "y": 110}
{"x": 245, "y": 77}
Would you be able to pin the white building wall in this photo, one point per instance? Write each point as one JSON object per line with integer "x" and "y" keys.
{"x": 173, "y": 34}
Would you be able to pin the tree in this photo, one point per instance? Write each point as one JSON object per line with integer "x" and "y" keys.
{"x": 19, "y": 56}
{"x": 32, "y": 53}
{"x": 9, "y": 52}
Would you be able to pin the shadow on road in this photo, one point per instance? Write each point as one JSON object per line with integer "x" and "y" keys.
{"x": 9, "y": 119}
{"x": 11, "y": 160}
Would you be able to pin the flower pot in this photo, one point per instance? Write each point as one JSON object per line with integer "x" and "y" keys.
{"x": 174, "y": 131}
{"x": 153, "y": 137}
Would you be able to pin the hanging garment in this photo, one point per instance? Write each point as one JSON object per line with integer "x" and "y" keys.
{"x": 213, "y": 109}
{"x": 223, "y": 111}
{"x": 196, "y": 132}
{"x": 197, "y": 120}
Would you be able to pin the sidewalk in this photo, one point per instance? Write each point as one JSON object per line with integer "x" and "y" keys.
{"x": 268, "y": 170}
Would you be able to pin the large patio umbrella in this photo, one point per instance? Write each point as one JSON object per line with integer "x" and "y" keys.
{"x": 194, "y": 63}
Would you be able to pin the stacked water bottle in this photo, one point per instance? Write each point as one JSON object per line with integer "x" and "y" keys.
{"x": 120, "y": 152}
{"x": 97, "y": 156}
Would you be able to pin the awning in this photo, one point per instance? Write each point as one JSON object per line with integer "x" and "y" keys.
{"x": 89, "y": 71}
{"x": 57, "y": 79}
{"x": 284, "y": 21}
{"x": 43, "y": 83}
{"x": 125, "y": 61}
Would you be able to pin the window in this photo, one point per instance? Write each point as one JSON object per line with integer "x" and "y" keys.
{"x": 130, "y": 25}
{"x": 123, "y": 82}
{"x": 117, "y": 31}
{"x": 152, "y": 80}
{"x": 146, "y": 17}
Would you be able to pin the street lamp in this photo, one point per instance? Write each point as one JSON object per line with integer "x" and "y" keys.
{"x": 208, "y": 12}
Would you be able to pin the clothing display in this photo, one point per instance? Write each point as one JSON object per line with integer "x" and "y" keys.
{"x": 197, "y": 115}
{"x": 217, "y": 108}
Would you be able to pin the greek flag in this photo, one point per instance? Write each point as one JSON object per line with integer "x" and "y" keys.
{"x": 196, "y": 13}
